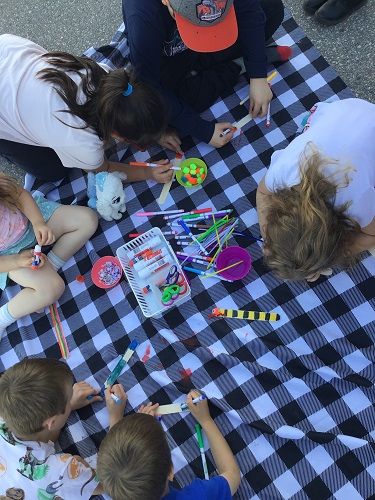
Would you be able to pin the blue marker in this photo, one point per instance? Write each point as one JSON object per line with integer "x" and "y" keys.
{"x": 184, "y": 406}
{"x": 187, "y": 231}
{"x": 115, "y": 398}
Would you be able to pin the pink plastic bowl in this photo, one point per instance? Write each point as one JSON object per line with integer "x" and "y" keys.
{"x": 231, "y": 255}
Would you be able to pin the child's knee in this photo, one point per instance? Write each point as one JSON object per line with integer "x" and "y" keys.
{"x": 54, "y": 289}
{"x": 90, "y": 221}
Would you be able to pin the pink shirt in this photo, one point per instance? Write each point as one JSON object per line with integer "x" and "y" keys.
{"x": 12, "y": 227}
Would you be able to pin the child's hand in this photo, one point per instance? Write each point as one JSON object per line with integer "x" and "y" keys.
{"x": 149, "y": 409}
{"x": 44, "y": 234}
{"x": 260, "y": 95}
{"x": 161, "y": 174}
{"x": 81, "y": 391}
{"x": 217, "y": 141}
{"x": 24, "y": 258}
{"x": 199, "y": 410}
{"x": 115, "y": 410}
{"x": 170, "y": 140}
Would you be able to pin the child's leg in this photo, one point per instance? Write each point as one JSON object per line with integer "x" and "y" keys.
{"x": 41, "y": 288}
{"x": 72, "y": 226}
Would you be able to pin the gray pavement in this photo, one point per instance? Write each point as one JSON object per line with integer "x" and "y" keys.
{"x": 74, "y": 25}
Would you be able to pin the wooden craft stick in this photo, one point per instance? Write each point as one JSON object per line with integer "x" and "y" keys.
{"x": 168, "y": 409}
{"x": 167, "y": 185}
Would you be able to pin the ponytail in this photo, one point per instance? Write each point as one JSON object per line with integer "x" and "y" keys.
{"x": 139, "y": 117}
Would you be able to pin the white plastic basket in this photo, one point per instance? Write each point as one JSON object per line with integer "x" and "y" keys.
{"x": 150, "y": 303}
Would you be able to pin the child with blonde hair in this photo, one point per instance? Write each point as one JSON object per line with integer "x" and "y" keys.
{"x": 316, "y": 203}
{"x": 134, "y": 459}
{"x": 25, "y": 222}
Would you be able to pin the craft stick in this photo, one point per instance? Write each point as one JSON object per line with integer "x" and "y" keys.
{"x": 201, "y": 450}
{"x": 167, "y": 185}
{"x": 269, "y": 78}
{"x": 119, "y": 367}
{"x": 222, "y": 270}
{"x": 250, "y": 315}
{"x": 168, "y": 409}
{"x": 61, "y": 340}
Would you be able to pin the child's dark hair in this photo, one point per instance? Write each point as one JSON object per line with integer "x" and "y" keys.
{"x": 32, "y": 391}
{"x": 134, "y": 459}
{"x": 139, "y": 116}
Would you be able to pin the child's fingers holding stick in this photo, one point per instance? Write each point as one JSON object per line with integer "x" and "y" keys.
{"x": 81, "y": 392}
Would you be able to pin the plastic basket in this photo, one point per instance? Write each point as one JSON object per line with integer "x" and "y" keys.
{"x": 150, "y": 303}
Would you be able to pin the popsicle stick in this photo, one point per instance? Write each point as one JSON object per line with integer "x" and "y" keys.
{"x": 246, "y": 119}
{"x": 168, "y": 409}
{"x": 167, "y": 185}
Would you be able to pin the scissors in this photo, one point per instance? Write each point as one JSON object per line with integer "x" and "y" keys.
{"x": 170, "y": 293}
{"x": 175, "y": 285}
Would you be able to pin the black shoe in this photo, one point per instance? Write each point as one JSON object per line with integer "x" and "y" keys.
{"x": 335, "y": 11}
{"x": 311, "y": 6}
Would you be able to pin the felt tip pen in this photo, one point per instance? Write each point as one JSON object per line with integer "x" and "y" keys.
{"x": 37, "y": 252}
{"x": 201, "y": 450}
{"x": 193, "y": 212}
{"x": 183, "y": 254}
{"x": 135, "y": 235}
{"x": 154, "y": 268}
{"x": 143, "y": 164}
{"x": 187, "y": 230}
{"x": 115, "y": 398}
{"x": 145, "y": 247}
{"x": 184, "y": 406}
{"x": 162, "y": 212}
{"x": 227, "y": 130}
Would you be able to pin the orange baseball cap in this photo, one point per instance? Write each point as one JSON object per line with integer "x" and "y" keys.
{"x": 206, "y": 26}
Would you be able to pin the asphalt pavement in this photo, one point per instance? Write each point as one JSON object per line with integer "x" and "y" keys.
{"x": 75, "y": 25}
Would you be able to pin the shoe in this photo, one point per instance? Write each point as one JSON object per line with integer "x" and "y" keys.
{"x": 335, "y": 11}
{"x": 311, "y": 6}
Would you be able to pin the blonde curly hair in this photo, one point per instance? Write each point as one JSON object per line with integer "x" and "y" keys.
{"x": 305, "y": 233}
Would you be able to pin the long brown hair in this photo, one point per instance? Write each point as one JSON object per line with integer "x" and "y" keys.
{"x": 139, "y": 117}
{"x": 9, "y": 194}
{"x": 304, "y": 232}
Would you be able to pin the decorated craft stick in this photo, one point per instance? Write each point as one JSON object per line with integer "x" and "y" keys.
{"x": 201, "y": 449}
{"x": 250, "y": 315}
{"x": 167, "y": 185}
{"x": 61, "y": 340}
{"x": 176, "y": 407}
{"x": 119, "y": 367}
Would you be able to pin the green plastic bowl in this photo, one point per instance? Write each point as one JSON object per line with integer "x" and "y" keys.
{"x": 186, "y": 164}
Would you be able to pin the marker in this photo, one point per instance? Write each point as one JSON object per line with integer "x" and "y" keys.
{"x": 162, "y": 212}
{"x": 154, "y": 268}
{"x": 145, "y": 257}
{"x": 115, "y": 398}
{"x": 183, "y": 254}
{"x": 184, "y": 406}
{"x": 201, "y": 449}
{"x": 37, "y": 252}
{"x": 144, "y": 263}
{"x": 193, "y": 212}
{"x": 143, "y": 164}
{"x": 145, "y": 247}
{"x": 187, "y": 230}
{"x": 135, "y": 235}
{"x": 227, "y": 130}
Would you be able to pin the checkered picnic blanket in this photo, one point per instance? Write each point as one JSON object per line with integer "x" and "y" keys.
{"x": 294, "y": 398}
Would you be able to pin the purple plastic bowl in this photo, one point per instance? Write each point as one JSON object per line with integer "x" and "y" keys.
{"x": 231, "y": 255}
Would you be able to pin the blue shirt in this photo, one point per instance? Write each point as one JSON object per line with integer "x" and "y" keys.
{"x": 216, "y": 488}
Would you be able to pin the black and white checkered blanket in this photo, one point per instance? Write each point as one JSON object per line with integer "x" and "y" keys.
{"x": 294, "y": 398}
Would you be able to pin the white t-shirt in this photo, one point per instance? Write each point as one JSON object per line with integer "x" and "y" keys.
{"x": 344, "y": 131}
{"x": 37, "y": 471}
{"x": 29, "y": 107}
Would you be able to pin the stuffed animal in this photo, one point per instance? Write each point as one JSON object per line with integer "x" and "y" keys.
{"x": 106, "y": 194}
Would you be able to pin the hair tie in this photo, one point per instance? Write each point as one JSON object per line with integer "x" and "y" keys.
{"x": 128, "y": 91}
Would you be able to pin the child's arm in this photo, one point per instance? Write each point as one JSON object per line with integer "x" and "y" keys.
{"x": 161, "y": 174}
{"x": 43, "y": 233}
{"x": 366, "y": 238}
{"x": 223, "y": 456}
{"x": 115, "y": 410}
{"x": 14, "y": 262}
{"x": 261, "y": 201}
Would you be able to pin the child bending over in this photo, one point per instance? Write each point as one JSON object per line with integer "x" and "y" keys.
{"x": 36, "y": 398}
{"x": 24, "y": 222}
{"x": 134, "y": 459}
{"x": 316, "y": 203}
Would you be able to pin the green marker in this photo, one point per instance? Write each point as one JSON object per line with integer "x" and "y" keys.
{"x": 201, "y": 449}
